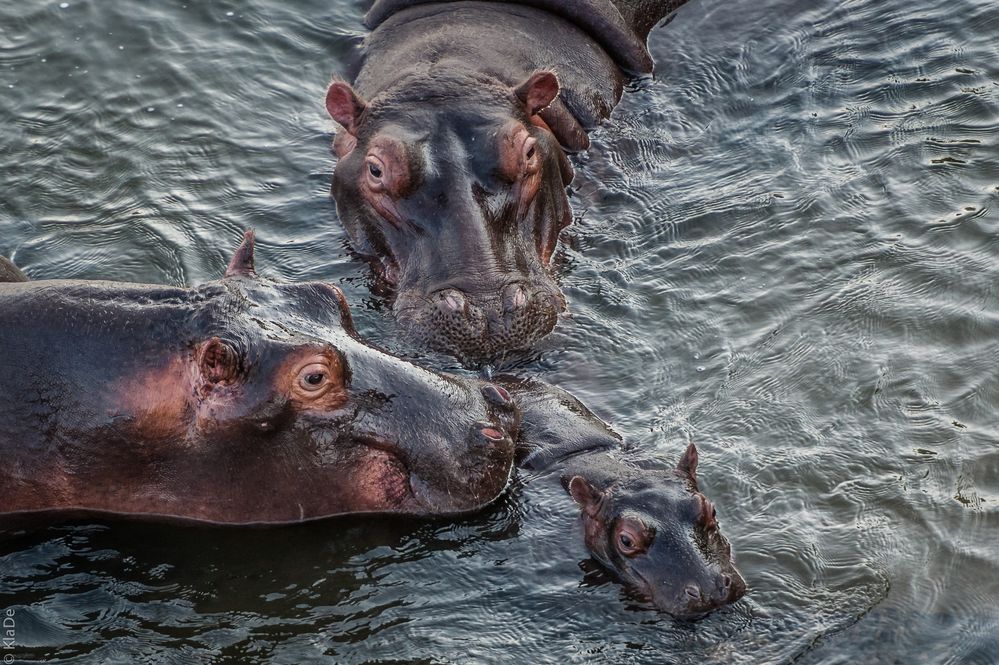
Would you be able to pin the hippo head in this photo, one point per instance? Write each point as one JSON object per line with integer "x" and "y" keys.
{"x": 657, "y": 532}
{"x": 454, "y": 188}
{"x": 321, "y": 423}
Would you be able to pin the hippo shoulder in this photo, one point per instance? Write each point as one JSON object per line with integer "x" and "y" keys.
{"x": 602, "y": 20}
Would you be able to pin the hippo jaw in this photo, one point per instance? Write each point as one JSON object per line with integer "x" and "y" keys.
{"x": 458, "y": 204}
{"x": 409, "y": 483}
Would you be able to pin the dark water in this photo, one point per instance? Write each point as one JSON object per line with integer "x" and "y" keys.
{"x": 785, "y": 250}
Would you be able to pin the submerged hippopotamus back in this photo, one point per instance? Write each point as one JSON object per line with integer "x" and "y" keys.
{"x": 239, "y": 401}
{"x": 452, "y": 161}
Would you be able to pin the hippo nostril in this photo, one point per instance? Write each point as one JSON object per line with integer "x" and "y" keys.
{"x": 726, "y": 581}
{"x": 693, "y": 591}
{"x": 490, "y": 432}
{"x": 496, "y": 395}
{"x": 453, "y": 301}
{"x": 514, "y": 297}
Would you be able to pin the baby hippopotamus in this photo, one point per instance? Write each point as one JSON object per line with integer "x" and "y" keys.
{"x": 239, "y": 401}
{"x": 648, "y": 523}
{"x": 452, "y": 170}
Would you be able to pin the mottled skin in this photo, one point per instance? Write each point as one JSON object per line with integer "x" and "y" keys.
{"x": 238, "y": 401}
{"x": 452, "y": 155}
{"x": 646, "y": 522}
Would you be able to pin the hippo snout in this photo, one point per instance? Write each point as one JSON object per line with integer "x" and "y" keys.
{"x": 476, "y": 327}
{"x": 695, "y": 600}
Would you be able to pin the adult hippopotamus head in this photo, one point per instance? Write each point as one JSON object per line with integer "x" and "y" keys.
{"x": 656, "y": 531}
{"x": 454, "y": 187}
{"x": 239, "y": 401}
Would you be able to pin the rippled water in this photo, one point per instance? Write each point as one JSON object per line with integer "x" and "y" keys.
{"x": 785, "y": 250}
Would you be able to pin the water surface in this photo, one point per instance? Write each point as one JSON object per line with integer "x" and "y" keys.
{"x": 785, "y": 250}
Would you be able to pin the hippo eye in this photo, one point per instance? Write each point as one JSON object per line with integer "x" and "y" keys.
{"x": 376, "y": 169}
{"x": 530, "y": 153}
{"x": 314, "y": 377}
{"x": 630, "y": 539}
{"x": 313, "y": 381}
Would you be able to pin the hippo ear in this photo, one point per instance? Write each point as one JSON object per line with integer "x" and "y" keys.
{"x": 344, "y": 106}
{"x": 687, "y": 466}
{"x": 241, "y": 264}
{"x": 218, "y": 361}
{"x": 586, "y": 495}
{"x": 537, "y": 92}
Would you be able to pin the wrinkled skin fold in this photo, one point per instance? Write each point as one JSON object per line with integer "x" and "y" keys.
{"x": 452, "y": 155}
{"x": 238, "y": 401}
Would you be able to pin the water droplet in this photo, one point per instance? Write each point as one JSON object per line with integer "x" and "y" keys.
{"x": 700, "y": 368}
{"x": 229, "y": 13}
{"x": 150, "y": 109}
{"x": 63, "y": 5}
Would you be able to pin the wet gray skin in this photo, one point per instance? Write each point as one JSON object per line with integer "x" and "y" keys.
{"x": 452, "y": 170}
{"x": 238, "y": 401}
{"x": 648, "y": 523}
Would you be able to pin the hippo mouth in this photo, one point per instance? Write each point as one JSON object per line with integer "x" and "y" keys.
{"x": 390, "y": 482}
{"x": 482, "y": 326}
{"x": 691, "y": 605}
{"x": 384, "y": 477}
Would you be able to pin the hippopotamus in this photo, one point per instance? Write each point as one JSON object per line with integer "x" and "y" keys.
{"x": 239, "y": 401}
{"x": 247, "y": 401}
{"x": 647, "y": 522}
{"x": 452, "y": 154}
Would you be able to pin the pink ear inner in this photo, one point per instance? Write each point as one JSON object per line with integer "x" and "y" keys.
{"x": 584, "y": 494}
{"x": 344, "y": 105}
{"x": 242, "y": 259}
{"x": 538, "y": 91}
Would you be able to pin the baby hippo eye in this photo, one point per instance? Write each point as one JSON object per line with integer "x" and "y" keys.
{"x": 374, "y": 170}
{"x": 631, "y": 538}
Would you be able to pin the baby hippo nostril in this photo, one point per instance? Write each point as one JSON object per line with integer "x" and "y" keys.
{"x": 726, "y": 581}
{"x": 693, "y": 591}
{"x": 496, "y": 395}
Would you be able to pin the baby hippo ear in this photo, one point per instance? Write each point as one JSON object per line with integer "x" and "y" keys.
{"x": 538, "y": 91}
{"x": 344, "y": 106}
{"x": 687, "y": 466}
{"x": 586, "y": 495}
{"x": 241, "y": 264}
